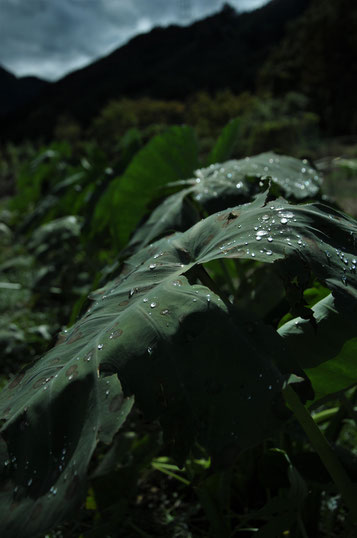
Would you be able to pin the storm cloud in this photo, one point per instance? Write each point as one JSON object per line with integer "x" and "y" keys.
{"x": 50, "y": 38}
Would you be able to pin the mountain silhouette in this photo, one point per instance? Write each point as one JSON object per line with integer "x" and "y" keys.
{"x": 16, "y": 92}
{"x": 225, "y": 50}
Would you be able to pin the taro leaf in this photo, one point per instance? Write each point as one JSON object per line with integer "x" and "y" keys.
{"x": 240, "y": 178}
{"x": 225, "y": 185}
{"x": 207, "y": 373}
{"x": 282, "y": 511}
{"x": 167, "y": 157}
{"x": 175, "y": 214}
{"x": 226, "y": 142}
{"x": 328, "y": 350}
{"x": 51, "y": 200}
{"x": 55, "y": 414}
{"x": 58, "y": 231}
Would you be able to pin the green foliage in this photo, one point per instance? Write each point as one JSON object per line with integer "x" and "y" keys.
{"x": 318, "y": 50}
{"x": 226, "y": 143}
{"x": 165, "y": 158}
{"x": 187, "y": 327}
{"x": 119, "y": 116}
{"x": 286, "y": 124}
{"x": 224, "y": 185}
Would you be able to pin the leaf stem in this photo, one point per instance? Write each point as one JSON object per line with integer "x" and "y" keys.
{"x": 207, "y": 281}
{"x": 227, "y": 276}
{"x": 164, "y": 470}
{"x": 324, "y": 450}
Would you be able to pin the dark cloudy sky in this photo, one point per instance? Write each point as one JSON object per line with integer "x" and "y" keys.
{"x": 49, "y": 38}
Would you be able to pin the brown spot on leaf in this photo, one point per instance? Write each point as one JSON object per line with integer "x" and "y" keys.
{"x": 41, "y": 381}
{"x": 222, "y": 217}
{"x": 72, "y": 371}
{"x": 207, "y": 240}
{"x": 75, "y": 336}
{"x": 16, "y": 381}
{"x": 116, "y": 334}
{"x": 61, "y": 339}
{"x": 230, "y": 218}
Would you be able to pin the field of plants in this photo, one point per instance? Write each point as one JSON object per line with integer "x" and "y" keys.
{"x": 178, "y": 325}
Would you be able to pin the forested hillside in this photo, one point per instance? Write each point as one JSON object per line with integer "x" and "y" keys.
{"x": 178, "y": 285}
{"x": 318, "y": 58}
{"x": 223, "y": 51}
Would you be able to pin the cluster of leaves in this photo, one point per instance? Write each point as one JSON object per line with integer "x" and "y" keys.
{"x": 187, "y": 325}
{"x": 299, "y": 62}
{"x": 285, "y": 124}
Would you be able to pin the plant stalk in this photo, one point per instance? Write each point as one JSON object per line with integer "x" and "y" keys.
{"x": 324, "y": 450}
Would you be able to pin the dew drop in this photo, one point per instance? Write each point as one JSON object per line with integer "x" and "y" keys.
{"x": 260, "y": 233}
{"x": 287, "y": 214}
{"x": 268, "y": 252}
{"x": 100, "y": 346}
{"x": 149, "y": 350}
{"x": 152, "y": 266}
{"x": 153, "y": 304}
{"x": 284, "y": 220}
{"x": 270, "y": 387}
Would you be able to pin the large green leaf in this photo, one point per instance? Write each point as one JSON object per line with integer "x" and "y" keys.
{"x": 175, "y": 214}
{"x": 327, "y": 349}
{"x": 55, "y": 415}
{"x": 225, "y": 185}
{"x": 210, "y": 374}
{"x": 294, "y": 178}
{"x": 167, "y": 157}
{"x": 223, "y": 148}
